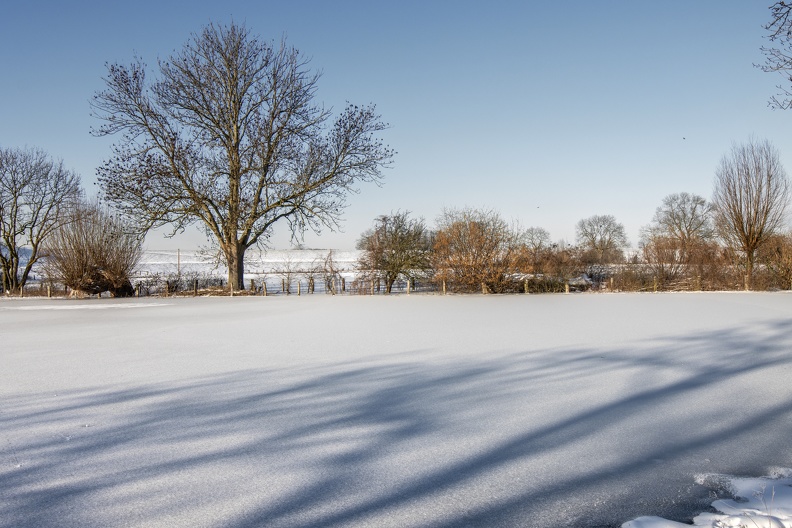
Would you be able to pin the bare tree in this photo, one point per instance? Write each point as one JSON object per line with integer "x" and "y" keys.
{"x": 94, "y": 252}
{"x": 684, "y": 217}
{"x": 602, "y": 238}
{"x": 396, "y": 246}
{"x": 680, "y": 230}
{"x": 229, "y": 137}
{"x": 476, "y": 250}
{"x": 750, "y": 199}
{"x": 287, "y": 269}
{"x": 331, "y": 272}
{"x": 537, "y": 247}
{"x": 35, "y": 195}
{"x": 778, "y": 56}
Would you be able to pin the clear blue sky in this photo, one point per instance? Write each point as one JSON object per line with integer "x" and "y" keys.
{"x": 546, "y": 111}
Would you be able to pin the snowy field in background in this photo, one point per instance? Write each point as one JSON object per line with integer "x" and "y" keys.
{"x": 527, "y": 410}
{"x": 170, "y": 262}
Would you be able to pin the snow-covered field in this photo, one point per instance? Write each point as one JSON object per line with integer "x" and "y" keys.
{"x": 257, "y": 263}
{"x": 424, "y": 410}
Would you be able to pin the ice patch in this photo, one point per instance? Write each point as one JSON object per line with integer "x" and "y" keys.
{"x": 764, "y": 502}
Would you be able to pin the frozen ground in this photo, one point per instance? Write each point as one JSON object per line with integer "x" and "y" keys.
{"x": 532, "y": 411}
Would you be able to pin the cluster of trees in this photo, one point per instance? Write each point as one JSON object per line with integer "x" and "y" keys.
{"x": 227, "y": 135}
{"x": 689, "y": 244}
{"x": 45, "y": 219}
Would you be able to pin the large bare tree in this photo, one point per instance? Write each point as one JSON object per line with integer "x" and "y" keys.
{"x": 35, "y": 193}
{"x": 396, "y": 245}
{"x": 750, "y": 199}
{"x": 229, "y": 136}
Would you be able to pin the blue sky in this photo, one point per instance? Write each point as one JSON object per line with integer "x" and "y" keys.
{"x": 548, "y": 112}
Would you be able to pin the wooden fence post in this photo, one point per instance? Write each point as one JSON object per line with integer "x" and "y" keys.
{"x": 264, "y": 287}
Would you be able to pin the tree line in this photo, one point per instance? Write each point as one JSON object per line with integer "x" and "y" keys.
{"x": 736, "y": 240}
{"x": 226, "y": 134}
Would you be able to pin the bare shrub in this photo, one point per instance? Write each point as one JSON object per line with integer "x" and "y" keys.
{"x": 93, "y": 253}
{"x": 476, "y": 251}
{"x": 775, "y": 257}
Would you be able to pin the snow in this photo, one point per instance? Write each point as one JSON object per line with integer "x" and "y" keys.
{"x": 764, "y": 502}
{"x": 422, "y": 410}
{"x": 257, "y": 263}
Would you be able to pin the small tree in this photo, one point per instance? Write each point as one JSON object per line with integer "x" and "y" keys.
{"x": 602, "y": 239}
{"x": 750, "y": 199}
{"x": 330, "y": 271}
{"x": 476, "y": 250}
{"x": 94, "y": 252}
{"x": 396, "y": 245}
{"x": 36, "y": 193}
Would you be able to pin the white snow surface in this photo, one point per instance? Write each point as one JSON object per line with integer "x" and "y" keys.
{"x": 585, "y": 410}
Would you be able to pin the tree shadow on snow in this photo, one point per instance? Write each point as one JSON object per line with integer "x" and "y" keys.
{"x": 567, "y": 437}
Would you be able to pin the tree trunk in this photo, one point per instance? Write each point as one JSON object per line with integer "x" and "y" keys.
{"x": 11, "y": 265}
{"x": 749, "y": 271}
{"x": 235, "y": 259}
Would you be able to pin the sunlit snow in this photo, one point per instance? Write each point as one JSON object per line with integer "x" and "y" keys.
{"x": 582, "y": 410}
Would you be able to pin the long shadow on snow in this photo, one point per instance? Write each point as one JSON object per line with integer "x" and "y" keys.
{"x": 351, "y": 427}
